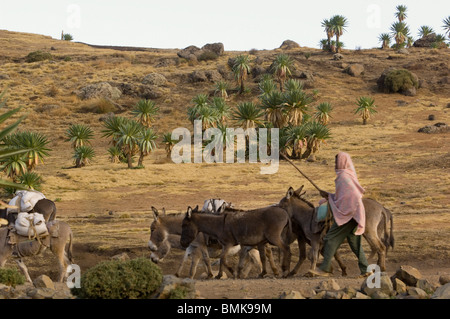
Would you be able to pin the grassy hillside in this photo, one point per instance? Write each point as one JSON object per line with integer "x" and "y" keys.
{"x": 405, "y": 170}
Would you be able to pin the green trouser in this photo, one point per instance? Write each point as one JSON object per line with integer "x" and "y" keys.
{"x": 335, "y": 237}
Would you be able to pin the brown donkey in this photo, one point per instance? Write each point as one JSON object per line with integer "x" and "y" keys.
{"x": 248, "y": 228}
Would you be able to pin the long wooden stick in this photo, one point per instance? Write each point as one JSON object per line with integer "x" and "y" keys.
{"x": 287, "y": 159}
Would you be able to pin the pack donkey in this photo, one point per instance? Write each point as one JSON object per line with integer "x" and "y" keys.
{"x": 19, "y": 247}
{"x": 247, "y": 228}
{"x": 303, "y": 215}
{"x": 165, "y": 225}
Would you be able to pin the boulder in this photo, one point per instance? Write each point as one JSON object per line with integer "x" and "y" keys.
{"x": 436, "y": 128}
{"x": 427, "y": 41}
{"x": 197, "y": 76}
{"x": 289, "y": 44}
{"x": 337, "y": 56}
{"x": 190, "y": 51}
{"x": 409, "y": 275}
{"x": 155, "y": 79}
{"x": 99, "y": 90}
{"x": 355, "y": 69}
{"x": 217, "y": 48}
{"x": 399, "y": 286}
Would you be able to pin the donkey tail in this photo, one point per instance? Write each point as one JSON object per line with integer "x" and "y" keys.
{"x": 70, "y": 247}
{"x": 388, "y": 239}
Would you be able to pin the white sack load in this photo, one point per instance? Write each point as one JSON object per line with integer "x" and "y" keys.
{"x": 29, "y": 199}
{"x": 30, "y": 224}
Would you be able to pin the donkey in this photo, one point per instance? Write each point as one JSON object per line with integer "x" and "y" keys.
{"x": 249, "y": 228}
{"x": 165, "y": 225}
{"x": 44, "y": 206}
{"x": 303, "y": 214}
{"x": 159, "y": 243}
{"x": 20, "y": 247}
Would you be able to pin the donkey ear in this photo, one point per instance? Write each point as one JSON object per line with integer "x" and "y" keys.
{"x": 155, "y": 213}
{"x": 189, "y": 212}
{"x": 298, "y": 191}
{"x": 290, "y": 193}
{"x": 222, "y": 208}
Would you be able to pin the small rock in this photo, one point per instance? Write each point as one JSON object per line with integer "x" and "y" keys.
{"x": 443, "y": 292}
{"x": 444, "y": 279}
{"x": 426, "y": 286}
{"x": 431, "y": 117}
{"x": 43, "y": 281}
{"x": 292, "y": 294}
{"x": 417, "y": 293}
{"x": 330, "y": 284}
{"x": 360, "y": 295}
{"x": 338, "y": 56}
{"x": 41, "y": 293}
{"x": 409, "y": 275}
{"x": 379, "y": 295}
{"x": 399, "y": 286}
{"x": 385, "y": 286}
{"x": 355, "y": 69}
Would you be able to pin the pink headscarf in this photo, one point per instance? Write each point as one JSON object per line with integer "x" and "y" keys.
{"x": 347, "y": 203}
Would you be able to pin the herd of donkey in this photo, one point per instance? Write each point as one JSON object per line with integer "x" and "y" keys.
{"x": 218, "y": 225}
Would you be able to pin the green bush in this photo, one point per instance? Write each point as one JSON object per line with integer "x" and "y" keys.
{"x": 400, "y": 80}
{"x": 37, "y": 56}
{"x": 207, "y": 55}
{"x": 132, "y": 279}
{"x": 11, "y": 277}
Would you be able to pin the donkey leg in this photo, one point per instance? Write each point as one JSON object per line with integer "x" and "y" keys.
{"x": 207, "y": 261}
{"x": 24, "y": 269}
{"x": 194, "y": 263}
{"x": 301, "y": 256}
{"x": 376, "y": 244}
{"x": 223, "y": 262}
{"x": 272, "y": 262}
{"x": 187, "y": 252}
{"x": 255, "y": 260}
{"x": 262, "y": 255}
{"x": 243, "y": 258}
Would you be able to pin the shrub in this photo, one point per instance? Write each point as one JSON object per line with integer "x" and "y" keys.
{"x": 37, "y": 56}
{"x": 132, "y": 279}
{"x": 11, "y": 277}
{"x": 400, "y": 80}
{"x": 207, "y": 55}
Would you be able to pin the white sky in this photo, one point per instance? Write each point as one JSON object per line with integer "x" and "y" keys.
{"x": 238, "y": 24}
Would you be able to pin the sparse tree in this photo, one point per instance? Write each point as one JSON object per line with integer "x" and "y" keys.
{"x": 248, "y": 115}
{"x": 241, "y": 69}
{"x": 146, "y": 143}
{"x": 79, "y": 135}
{"x": 339, "y": 23}
{"x": 365, "y": 107}
{"x": 385, "y": 40}
{"x": 401, "y": 12}
{"x": 282, "y": 68}
{"x": 323, "y": 111}
{"x": 83, "y": 155}
{"x": 145, "y": 111}
{"x": 446, "y": 26}
{"x": 400, "y": 32}
{"x": 425, "y": 30}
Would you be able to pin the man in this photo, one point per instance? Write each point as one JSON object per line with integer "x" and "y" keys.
{"x": 349, "y": 217}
